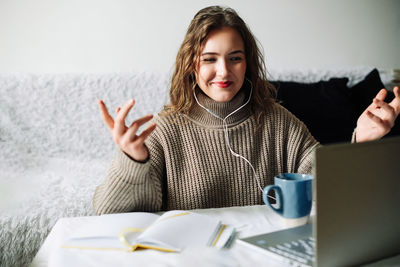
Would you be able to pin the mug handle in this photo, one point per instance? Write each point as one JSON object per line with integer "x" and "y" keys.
{"x": 278, "y": 194}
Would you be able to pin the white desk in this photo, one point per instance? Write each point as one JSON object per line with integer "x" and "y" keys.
{"x": 248, "y": 221}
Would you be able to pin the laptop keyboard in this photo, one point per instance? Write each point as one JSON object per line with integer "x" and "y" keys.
{"x": 299, "y": 251}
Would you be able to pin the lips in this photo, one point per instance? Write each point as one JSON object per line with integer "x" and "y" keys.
{"x": 223, "y": 84}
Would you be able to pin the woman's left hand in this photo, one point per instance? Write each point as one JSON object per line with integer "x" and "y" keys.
{"x": 378, "y": 119}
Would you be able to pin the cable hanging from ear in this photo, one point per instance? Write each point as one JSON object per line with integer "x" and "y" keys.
{"x": 225, "y": 126}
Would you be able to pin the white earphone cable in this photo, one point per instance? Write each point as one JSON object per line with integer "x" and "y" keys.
{"x": 225, "y": 125}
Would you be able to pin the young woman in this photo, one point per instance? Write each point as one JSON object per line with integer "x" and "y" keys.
{"x": 222, "y": 138}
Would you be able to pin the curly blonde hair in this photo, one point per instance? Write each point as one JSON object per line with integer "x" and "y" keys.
{"x": 183, "y": 80}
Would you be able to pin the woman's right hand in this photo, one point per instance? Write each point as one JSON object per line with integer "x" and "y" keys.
{"x": 125, "y": 137}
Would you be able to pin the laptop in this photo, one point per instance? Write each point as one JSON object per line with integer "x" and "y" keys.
{"x": 357, "y": 220}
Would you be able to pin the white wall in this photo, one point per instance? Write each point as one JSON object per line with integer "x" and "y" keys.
{"x": 125, "y": 35}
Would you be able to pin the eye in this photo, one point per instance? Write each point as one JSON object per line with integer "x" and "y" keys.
{"x": 210, "y": 59}
{"x": 236, "y": 58}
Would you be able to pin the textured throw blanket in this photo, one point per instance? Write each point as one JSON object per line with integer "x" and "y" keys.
{"x": 55, "y": 149}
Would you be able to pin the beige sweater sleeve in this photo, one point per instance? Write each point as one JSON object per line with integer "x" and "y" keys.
{"x": 129, "y": 186}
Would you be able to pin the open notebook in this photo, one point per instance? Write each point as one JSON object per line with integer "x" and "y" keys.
{"x": 171, "y": 232}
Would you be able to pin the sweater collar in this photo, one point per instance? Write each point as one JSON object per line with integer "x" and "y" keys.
{"x": 222, "y": 109}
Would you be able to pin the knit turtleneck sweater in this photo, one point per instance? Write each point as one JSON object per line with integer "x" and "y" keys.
{"x": 190, "y": 165}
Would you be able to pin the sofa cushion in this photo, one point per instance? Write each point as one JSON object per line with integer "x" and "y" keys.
{"x": 329, "y": 108}
{"x": 324, "y": 107}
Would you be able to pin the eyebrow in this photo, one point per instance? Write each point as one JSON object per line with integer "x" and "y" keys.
{"x": 231, "y": 53}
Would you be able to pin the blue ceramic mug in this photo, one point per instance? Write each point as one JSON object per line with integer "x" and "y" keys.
{"x": 293, "y": 193}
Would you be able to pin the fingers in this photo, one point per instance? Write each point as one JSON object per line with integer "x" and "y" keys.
{"x": 139, "y": 140}
{"x": 396, "y": 91}
{"x": 383, "y": 105}
{"x": 126, "y": 108}
{"x": 146, "y": 133}
{"x": 395, "y": 103}
{"x": 136, "y": 143}
{"x": 386, "y": 112}
{"x": 119, "y": 123}
{"x": 381, "y": 124}
{"x": 108, "y": 120}
{"x": 381, "y": 95}
{"x": 136, "y": 125}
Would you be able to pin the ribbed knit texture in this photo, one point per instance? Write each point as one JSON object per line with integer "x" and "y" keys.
{"x": 190, "y": 165}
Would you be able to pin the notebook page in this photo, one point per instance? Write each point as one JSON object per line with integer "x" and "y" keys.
{"x": 110, "y": 225}
{"x": 180, "y": 229}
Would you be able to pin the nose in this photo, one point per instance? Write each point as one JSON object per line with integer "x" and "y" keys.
{"x": 222, "y": 68}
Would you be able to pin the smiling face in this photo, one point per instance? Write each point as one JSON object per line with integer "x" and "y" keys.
{"x": 221, "y": 68}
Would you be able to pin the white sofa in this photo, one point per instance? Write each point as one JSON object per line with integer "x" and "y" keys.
{"x": 55, "y": 148}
